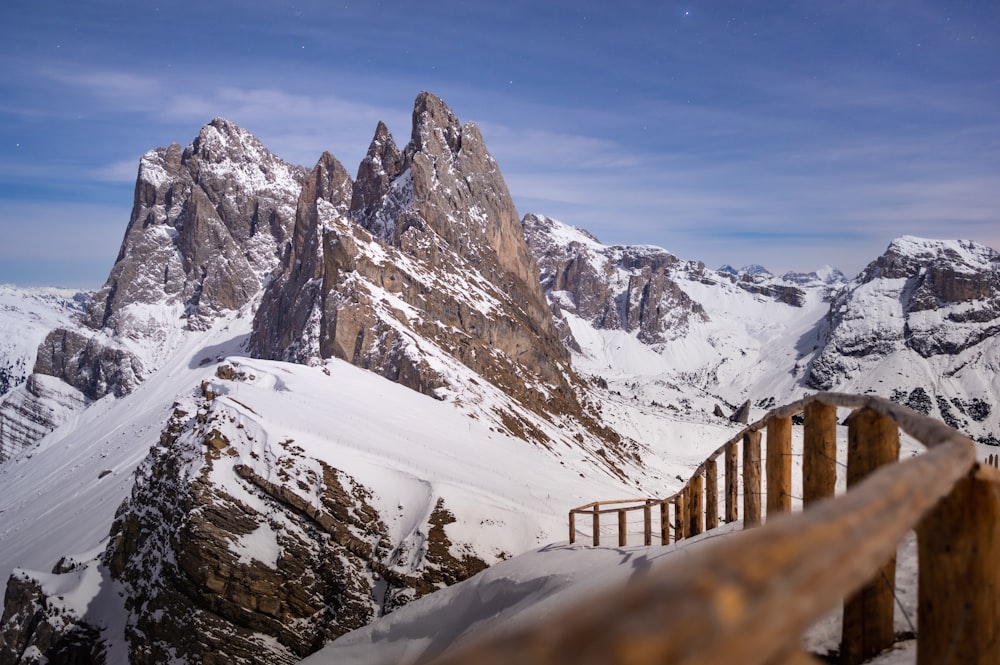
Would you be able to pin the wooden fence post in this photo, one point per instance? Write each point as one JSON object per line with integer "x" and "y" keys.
{"x": 732, "y": 483}
{"x": 958, "y": 589}
{"x": 572, "y": 527}
{"x": 680, "y": 515}
{"x": 597, "y": 525}
{"x": 751, "y": 479}
{"x": 664, "y": 523}
{"x": 872, "y": 441}
{"x": 819, "y": 452}
{"x": 622, "y": 528}
{"x": 779, "y": 466}
{"x": 647, "y": 524}
{"x": 711, "y": 495}
{"x": 696, "y": 511}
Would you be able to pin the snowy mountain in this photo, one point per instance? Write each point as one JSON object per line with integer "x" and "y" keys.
{"x": 671, "y": 332}
{"x": 920, "y": 325}
{"x": 754, "y": 270}
{"x": 225, "y": 195}
{"x": 26, "y": 317}
{"x": 825, "y": 275}
{"x": 302, "y": 401}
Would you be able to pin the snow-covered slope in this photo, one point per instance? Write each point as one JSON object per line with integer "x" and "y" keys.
{"x": 920, "y": 326}
{"x": 505, "y": 495}
{"x": 56, "y": 500}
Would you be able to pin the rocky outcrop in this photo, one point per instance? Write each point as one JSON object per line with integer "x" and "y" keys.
{"x": 35, "y": 631}
{"x": 784, "y": 293}
{"x": 626, "y": 288}
{"x": 443, "y": 202}
{"x": 742, "y": 414}
{"x": 235, "y": 549}
{"x": 27, "y": 315}
{"x": 34, "y": 409}
{"x": 86, "y": 364}
{"x": 287, "y": 322}
{"x": 381, "y": 166}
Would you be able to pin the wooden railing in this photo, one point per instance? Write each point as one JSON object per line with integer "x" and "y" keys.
{"x": 598, "y": 508}
{"x": 750, "y": 596}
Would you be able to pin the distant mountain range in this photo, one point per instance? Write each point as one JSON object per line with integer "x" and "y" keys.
{"x": 303, "y": 399}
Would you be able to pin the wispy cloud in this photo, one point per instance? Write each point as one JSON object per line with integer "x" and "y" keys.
{"x": 127, "y": 90}
{"x": 59, "y": 230}
{"x": 298, "y": 126}
{"x": 123, "y": 171}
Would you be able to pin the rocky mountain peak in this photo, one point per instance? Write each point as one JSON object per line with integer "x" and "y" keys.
{"x": 826, "y": 275}
{"x": 381, "y": 165}
{"x": 446, "y": 182}
{"x": 223, "y": 195}
{"x": 435, "y": 127}
{"x": 428, "y": 268}
{"x": 287, "y": 323}
{"x": 221, "y": 140}
{"x": 752, "y": 271}
{"x": 907, "y": 255}
{"x": 632, "y": 288}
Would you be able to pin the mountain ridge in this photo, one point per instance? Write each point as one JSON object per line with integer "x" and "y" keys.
{"x": 267, "y": 503}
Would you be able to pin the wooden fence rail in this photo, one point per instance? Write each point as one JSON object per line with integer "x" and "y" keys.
{"x": 750, "y": 596}
{"x": 646, "y": 506}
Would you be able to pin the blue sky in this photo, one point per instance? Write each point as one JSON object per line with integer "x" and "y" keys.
{"x": 787, "y": 133}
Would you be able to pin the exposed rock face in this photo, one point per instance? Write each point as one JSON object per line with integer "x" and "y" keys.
{"x": 924, "y": 318}
{"x": 444, "y": 203}
{"x": 742, "y": 414}
{"x": 31, "y": 405}
{"x": 382, "y": 164}
{"x": 790, "y": 295}
{"x": 626, "y": 288}
{"x": 92, "y": 368}
{"x": 224, "y": 195}
{"x": 26, "y": 317}
{"x": 72, "y": 369}
{"x": 932, "y": 297}
{"x": 288, "y": 320}
{"x": 35, "y": 631}
{"x": 213, "y": 493}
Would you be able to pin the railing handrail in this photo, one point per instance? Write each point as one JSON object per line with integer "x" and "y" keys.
{"x": 724, "y": 605}
{"x": 924, "y": 429}
{"x": 587, "y": 509}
